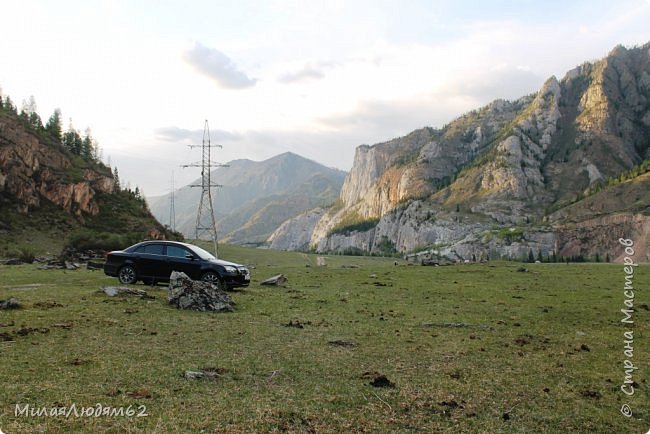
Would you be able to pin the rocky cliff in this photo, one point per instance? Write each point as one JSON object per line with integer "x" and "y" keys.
{"x": 49, "y": 195}
{"x": 508, "y": 165}
{"x": 32, "y": 171}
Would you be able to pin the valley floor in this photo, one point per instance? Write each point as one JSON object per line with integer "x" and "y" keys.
{"x": 468, "y": 348}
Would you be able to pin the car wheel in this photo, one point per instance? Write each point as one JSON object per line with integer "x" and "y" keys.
{"x": 213, "y": 278}
{"x": 127, "y": 275}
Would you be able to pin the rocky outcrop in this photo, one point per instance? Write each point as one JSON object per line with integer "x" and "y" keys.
{"x": 295, "y": 233}
{"x": 600, "y": 236}
{"x": 32, "y": 171}
{"x": 504, "y": 165}
{"x": 185, "y": 293}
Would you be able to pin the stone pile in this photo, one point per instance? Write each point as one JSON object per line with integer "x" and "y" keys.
{"x": 185, "y": 293}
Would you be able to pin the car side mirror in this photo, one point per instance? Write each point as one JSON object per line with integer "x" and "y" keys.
{"x": 190, "y": 256}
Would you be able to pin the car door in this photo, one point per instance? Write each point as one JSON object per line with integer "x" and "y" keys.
{"x": 151, "y": 261}
{"x": 181, "y": 259}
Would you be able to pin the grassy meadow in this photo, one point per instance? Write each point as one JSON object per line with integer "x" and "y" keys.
{"x": 468, "y": 348}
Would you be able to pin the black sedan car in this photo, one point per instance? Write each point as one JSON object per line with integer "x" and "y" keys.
{"x": 154, "y": 261}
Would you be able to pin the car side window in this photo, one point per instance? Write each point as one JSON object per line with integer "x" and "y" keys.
{"x": 177, "y": 252}
{"x": 151, "y": 249}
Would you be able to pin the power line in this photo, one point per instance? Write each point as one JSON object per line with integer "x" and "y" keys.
{"x": 205, "y": 221}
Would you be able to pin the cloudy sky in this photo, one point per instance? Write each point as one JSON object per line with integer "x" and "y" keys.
{"x": 317, "y": 78}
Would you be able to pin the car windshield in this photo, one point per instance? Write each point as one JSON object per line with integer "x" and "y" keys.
{"x": 203, "y": 254}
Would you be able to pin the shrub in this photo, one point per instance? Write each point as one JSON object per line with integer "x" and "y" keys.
{"x": 89, "y": 240}
{"x": 26, "y": 255}
{"x": 352, "y": 222}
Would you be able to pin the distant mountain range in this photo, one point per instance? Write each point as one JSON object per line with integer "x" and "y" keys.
{"x": 544, "y": 173}
{"x": 256, "y": 197}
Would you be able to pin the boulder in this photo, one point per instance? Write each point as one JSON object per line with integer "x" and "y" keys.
{"x": 11, "y": 303}
{"x": 185, "y": 293}
{"x": 278, "y": 280}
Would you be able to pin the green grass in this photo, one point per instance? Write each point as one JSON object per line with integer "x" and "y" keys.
{"x": 544, "y": 347}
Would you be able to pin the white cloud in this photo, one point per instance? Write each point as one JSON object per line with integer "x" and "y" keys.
{"x": 178, "y": 135}
{"x": 217, "y": 66}
{"x": 306, "y": 74}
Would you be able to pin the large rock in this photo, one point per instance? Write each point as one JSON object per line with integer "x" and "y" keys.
{"x": 185, "y": 293}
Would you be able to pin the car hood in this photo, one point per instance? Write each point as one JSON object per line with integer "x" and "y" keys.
{"x": 224, "y": 263}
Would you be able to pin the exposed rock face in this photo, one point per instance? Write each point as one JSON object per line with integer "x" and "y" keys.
{"x": 295, "y": 233}
{"x": 506, "y": 164}
{"x": 185, "y": 293}
{"x": 32, "y": 171}
{"x": 602, "y": 234}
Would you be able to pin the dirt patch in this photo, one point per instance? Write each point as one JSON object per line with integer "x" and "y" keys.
{"x": 141, "y": 393}
{"x": 594, "y": 394}
{"x": 47, "y": 304}
{"x": 343, "y": 343}
{"x": 450, "y": 406}
{"x": 29, "y": 330}
{"x": 523, "y": 340}
{"x": 378, "y": 379}
{"x": 297, "y": 324}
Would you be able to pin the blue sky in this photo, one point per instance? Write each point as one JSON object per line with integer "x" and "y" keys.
{"x": 317, "y": 78}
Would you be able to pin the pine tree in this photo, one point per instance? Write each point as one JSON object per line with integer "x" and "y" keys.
{"x": 53, "y": 126}
{"x": 69, "y": 139}
{"x": 116, "y": 177}
{"x": 86, "y": 150}
{"x": 9, "y": 105}
{"x": 531, "y": 257}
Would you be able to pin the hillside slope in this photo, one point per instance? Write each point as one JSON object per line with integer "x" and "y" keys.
{"x": 255, "y": 197}
{"x": 49, "y": 195}
{"x": 509, "y": 164}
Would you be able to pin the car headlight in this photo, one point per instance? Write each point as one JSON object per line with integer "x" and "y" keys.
{"x": 230, "y": 269}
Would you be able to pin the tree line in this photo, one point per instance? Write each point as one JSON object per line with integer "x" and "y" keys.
{"x": 71, "y": 140}
{"x": 52, "y": 132}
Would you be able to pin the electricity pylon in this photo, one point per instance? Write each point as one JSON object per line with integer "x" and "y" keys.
{"x": 205, "y": 222}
